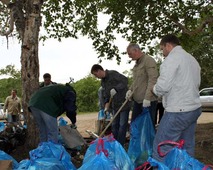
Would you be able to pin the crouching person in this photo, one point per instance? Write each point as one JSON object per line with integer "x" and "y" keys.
{"x": 47, "y": 104}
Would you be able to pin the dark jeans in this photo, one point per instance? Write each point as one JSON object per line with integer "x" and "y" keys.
{"x": 120, "y": 125}
{"x": 12, "y": 118}
{"x": 138, "y": 109}
{"x": 159, "y": 111}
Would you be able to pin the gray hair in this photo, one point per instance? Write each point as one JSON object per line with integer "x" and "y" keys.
{"x": 133, "y": 46}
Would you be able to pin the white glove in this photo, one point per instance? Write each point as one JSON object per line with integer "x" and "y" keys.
{"x": 112, "y": 92}
{"x": 146, "y": 103}
{"x": 128, "y": 94}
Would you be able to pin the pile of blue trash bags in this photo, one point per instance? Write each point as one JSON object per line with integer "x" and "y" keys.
{"x": 105, "y": 153}
{"x": 102, "y": 154}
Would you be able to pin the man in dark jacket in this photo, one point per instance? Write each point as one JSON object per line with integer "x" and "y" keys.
{"x": 47, "y": 104}
{"x": 115, "y": 87}
{"x": 47, "y": 80}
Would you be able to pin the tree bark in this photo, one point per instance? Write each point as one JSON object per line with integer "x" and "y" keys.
{"x": 30, "y": 64}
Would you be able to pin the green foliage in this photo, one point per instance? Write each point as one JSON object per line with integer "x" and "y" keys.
{"x": 87, "y": 94}
{"x": 138, "y": 21}
{"x": 203, "y": 52}
{"x": 6, "y": 85}
{"x": 10, "y": 70}
{"x": 13, "y": 82}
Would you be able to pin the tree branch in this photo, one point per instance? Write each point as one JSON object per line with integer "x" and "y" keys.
{"x": 197, "y": 30}
{"x": 11, "y": 26}
{"x": 9, "y": 21}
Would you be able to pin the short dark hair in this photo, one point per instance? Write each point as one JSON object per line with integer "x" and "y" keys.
{"x": 46, "y": 75}
{"x": 14, "y": 90}
{"x": 170, "y": 38}
{"x": 96, "y": 67}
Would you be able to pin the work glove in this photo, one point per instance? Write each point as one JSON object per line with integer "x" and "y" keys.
{"x": 146, "y": 103}
{"x": 128, "y": 95}
{"x": 73, "y": 126}
{"x": 112, "y": 92}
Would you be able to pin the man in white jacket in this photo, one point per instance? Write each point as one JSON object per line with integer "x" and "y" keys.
{"x": 178, "y": 84}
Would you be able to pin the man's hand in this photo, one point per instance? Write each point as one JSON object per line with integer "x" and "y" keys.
{"x": 146, "y": 103}
{"x": 105, "y": 110}
{"x": 128, "y": 95}
{"x": 112, "y": 92}
{"x": 73, "y": 126}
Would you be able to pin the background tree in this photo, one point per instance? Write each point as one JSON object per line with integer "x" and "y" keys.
{"x": 87, "y": 94}
{"x": 25, "y": 15}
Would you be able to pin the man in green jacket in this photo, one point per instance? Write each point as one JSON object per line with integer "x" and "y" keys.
{"x": 47, "y": 104}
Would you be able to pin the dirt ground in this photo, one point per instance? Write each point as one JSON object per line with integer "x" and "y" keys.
{"x": 204, "y": 138}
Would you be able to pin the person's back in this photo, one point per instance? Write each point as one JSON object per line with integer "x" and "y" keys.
{"x": 50, "y": 99}
{"x": 47, "y": 104}
{"x": 184, "y": 90}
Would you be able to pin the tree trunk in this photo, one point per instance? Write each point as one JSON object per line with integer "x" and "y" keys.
{"x": 30, "y": 64}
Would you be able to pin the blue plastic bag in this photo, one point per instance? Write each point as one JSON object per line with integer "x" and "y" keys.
{"x": 178, "y": 158}
{"x": 142, "y": 134}
{"x": 114, "y": 151}
{"x": 157, "y": 164}
{"x": 23, "y": 165}
{"x": 48, "y": 155}
{"x": 151, "y": 162}
{"x": 62, "y": 122}
{"x": 2, "y": 126}
{"x": 99, "y": 162}
{"x": 5, "y": 156}
{"x": 101, "y": 114}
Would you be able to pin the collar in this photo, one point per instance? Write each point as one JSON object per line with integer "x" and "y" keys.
{"x": 140, "y": 60}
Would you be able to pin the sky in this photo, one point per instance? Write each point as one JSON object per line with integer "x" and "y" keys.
{"x": 69, "y": 58}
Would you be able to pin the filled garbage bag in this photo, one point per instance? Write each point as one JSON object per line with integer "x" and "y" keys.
{"x": 142, "y": 134}
{"x": 70, "y": 137}
{"x": 113, "y": 151}
{"x": 48, "y": 155}
{"x": 178, "y": 158}
{"x": 151, "y": 162}
{"x": 99, "y": 162}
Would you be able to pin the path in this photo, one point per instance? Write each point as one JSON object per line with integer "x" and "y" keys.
{"x": 88, "y": 121}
